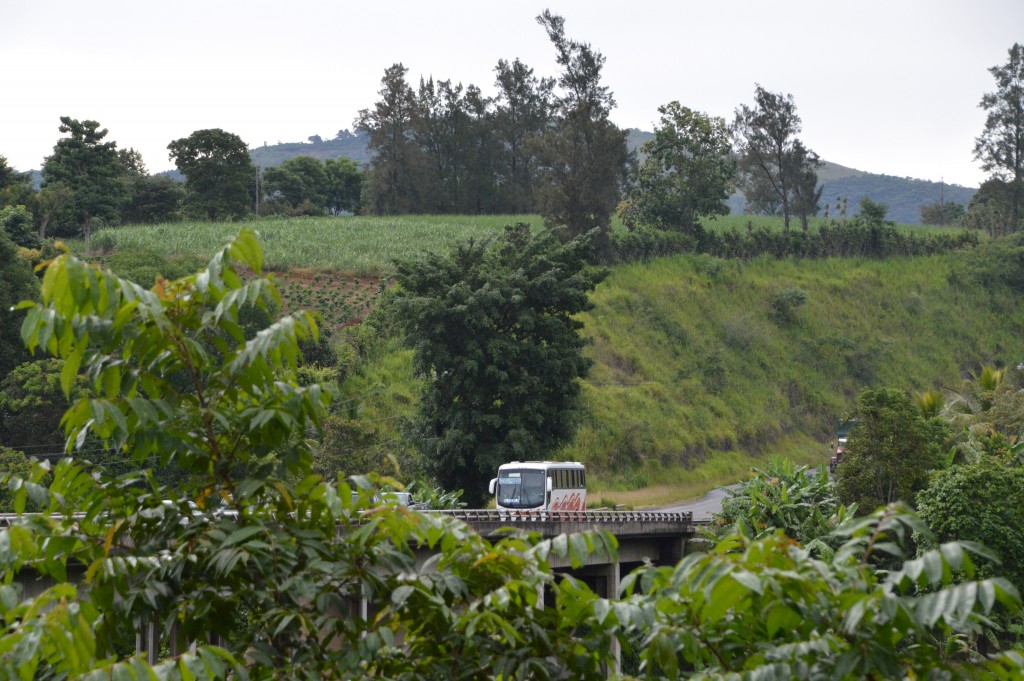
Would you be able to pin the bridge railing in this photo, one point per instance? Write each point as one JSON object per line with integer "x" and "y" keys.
{"x": 515, "y": 516}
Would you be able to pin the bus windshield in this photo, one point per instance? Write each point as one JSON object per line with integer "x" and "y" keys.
{"x": 520, "y": 488}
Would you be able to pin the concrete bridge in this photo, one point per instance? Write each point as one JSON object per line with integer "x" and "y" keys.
{"x": 655, "y": 536}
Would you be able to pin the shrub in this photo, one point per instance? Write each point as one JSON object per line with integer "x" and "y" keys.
{"x": 982, "y": 502}
{"x": 785, "y": 304}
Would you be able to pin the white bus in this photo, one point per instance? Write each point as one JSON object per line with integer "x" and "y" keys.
{"x": 540, "y": 486}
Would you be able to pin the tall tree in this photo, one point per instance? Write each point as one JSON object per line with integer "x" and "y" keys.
{"x": 583, "y": 154}
{"x": 442, "y": 129}
{"x": 91, "y": 171}
{"x": 889, "y": 454}
{"x": 778, "y": 171}
{"x": 344, "y": 185}
{"x": 485, "y": 192}
{"x": 1000, "y": 147}
{"x": 498, "y": 344}
{"x": 393, "y": 182}
{"x": 687, "y": 172}
{"x": 803, "y": 167}
{"x": 218, "y": 173}
{"x": 522, "y": 111}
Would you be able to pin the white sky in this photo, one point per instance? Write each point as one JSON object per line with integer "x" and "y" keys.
{"x": 886, "y": 86}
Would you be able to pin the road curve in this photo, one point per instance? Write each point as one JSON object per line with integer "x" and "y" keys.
{"x": 704, "y": 508}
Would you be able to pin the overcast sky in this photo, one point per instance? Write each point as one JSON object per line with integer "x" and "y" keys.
{"x": 886, "y": 86}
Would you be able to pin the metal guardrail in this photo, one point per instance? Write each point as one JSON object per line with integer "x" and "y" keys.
{"x": 510, "y": 516}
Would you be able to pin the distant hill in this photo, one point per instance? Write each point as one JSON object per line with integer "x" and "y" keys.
{"x": 903, "y": 195}
{"x": 345, "y": 145}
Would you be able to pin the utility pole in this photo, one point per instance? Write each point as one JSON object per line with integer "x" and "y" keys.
{"x": 257, "y": 190}
{"x": 942, "y": 200}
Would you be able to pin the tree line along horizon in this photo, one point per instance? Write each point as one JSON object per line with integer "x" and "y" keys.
{"x": 539, "y": 145}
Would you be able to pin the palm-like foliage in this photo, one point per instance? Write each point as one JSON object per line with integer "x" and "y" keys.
{"x": 797, "y": 500}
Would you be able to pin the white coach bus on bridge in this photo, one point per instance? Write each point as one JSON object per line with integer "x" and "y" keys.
{"x": 540, "y": 486}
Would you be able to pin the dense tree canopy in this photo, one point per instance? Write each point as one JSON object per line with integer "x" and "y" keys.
{"x": 687, "y": 171}
{"x": 448, "y": 148}
{"x": 981, "y": 502}
{"x": 16, "y": 284}
{"x": 306, "y": 185}
{"x": 90, "y": 170}
{"x": 498, "y": 348}
{"x": 218, "y": 173}
{"x": 297, "y": 181}
{"x": 890, "y": 451}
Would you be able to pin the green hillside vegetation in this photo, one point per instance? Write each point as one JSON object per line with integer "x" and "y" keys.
{"x": 702, "y": 365}
{"x": 248, "y": 549}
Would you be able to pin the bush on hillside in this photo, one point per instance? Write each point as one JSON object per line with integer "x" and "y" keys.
{"x": 982, "y": 502}
{"x": 999, "y": 262}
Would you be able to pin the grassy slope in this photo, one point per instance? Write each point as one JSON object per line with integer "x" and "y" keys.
{"x": 693, "y": 375}
{"x": 694, "y": 381}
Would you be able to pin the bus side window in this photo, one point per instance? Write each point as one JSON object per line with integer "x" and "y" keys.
{"x": 560, "y": 479}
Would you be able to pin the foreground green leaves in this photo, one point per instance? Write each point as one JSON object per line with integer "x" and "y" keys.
{"x": 767, "y": 609}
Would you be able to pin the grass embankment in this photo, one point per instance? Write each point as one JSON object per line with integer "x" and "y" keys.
{"x": 696, "y": 372}
{"x": 702, "y": 368}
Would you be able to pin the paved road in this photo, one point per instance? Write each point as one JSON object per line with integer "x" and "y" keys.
{"x": 702, "y": 509}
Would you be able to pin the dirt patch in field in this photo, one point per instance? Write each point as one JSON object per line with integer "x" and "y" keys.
{"x": 342, "y": 299}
